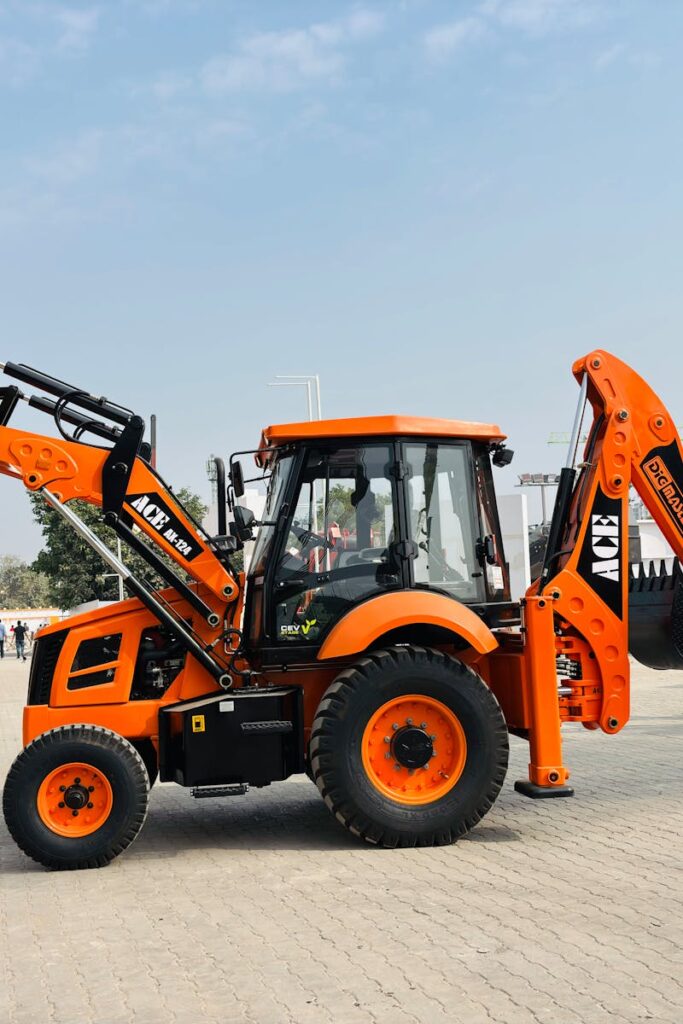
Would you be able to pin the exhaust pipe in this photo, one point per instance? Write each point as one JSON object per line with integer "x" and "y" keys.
{"x": 655, "y": 608}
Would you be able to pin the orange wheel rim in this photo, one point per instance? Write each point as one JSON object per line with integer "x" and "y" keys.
{"x": 74, "y": 800}
{"x": 414, "y": 749}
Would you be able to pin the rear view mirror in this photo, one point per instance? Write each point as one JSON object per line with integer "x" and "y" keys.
{"x": 237, "y": 479}
{"x": 244, "y": 521}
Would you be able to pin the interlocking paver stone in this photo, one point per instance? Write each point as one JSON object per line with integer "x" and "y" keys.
{"x": 264, "y": 911}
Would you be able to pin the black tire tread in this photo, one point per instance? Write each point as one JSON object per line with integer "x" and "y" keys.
{"x": 97, "y": 736}
{"x": 342, "y": 691}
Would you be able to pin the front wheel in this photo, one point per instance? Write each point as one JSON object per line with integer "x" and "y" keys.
{"x": 409, "y": 747}
{"x": 76, "y": 797}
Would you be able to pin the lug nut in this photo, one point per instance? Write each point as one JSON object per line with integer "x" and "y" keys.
{"x": 77, "y": 782}
{"x": 409, "y": 721}
{"x": 62, "y": 789}
{"x": 432, "y": 738}
{"x": 75, "y": 814}
{"x": 387, "y": 756}
{"x": 397, "y": 767}
{"x": 90, "y": 807}
{"x": 91, "y": 789}
{"x": 394, "y": 726}
{"x": 423, "y": 725}
{"x": 62, "y": 804}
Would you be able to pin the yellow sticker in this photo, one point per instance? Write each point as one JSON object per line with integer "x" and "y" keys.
{"x": 198, "y": 723}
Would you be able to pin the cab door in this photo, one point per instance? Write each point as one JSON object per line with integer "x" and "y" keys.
{"x": 339, "y": 545}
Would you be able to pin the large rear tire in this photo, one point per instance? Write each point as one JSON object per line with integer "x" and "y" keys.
{"x": 76, "y": 797}
{"x": 409, "y": 747}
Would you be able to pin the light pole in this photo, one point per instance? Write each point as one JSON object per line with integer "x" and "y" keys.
{"x": 106, "y": 575}
{"x": 309, "y": 381}
{"x": 541, "y": 480}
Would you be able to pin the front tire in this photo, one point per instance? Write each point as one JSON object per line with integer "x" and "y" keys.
{"x": 76, "y": 797}
{"x": 409, "y": 747}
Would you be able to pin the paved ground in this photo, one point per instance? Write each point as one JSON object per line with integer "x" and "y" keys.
{"x": 262, "y": 910}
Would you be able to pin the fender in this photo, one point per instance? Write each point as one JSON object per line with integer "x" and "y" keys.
{"x": 368, "y": 621}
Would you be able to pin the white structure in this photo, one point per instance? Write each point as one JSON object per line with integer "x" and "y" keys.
{"x": 514, "y": 525}
{"x": 652, "y": 542}
{"x": 254, "y": 500}
{"x": 33, "y": 617}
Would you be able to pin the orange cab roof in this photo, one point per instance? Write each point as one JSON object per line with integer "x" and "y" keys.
{"x": 378, "y": 426}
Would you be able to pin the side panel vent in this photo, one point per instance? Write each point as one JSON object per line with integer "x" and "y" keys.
{"x": 46, "y": 651}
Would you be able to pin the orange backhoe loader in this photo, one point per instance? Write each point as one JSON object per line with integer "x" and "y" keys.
{"x": 372, "y": 641}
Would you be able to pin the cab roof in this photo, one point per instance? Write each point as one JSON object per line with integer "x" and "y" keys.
{"x": 376, "y": 427}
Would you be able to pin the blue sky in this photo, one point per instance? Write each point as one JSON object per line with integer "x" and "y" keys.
{"x": 435, "y": 206}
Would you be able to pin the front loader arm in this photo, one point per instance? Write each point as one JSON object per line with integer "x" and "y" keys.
{"x": 74, "y": 469}
{"x": 122, "y": 482}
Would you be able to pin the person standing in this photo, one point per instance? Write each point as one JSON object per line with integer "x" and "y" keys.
{"x": 3, "y": 635}
{"x": 20, "y": 640}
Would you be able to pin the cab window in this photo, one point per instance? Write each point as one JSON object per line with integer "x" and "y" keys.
{"x": 442, "y": 519}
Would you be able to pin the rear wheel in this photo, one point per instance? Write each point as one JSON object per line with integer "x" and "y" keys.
{"x": 76, "y": 797}
{"x": 409, "y": 747}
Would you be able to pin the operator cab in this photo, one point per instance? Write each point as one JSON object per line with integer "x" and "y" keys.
{"x": 359, "y": 507}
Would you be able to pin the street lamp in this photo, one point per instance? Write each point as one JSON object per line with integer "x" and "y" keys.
{"x": 106, "y": 575}
{"x": 309, "y": 381}
{"x": 541, "y": 480}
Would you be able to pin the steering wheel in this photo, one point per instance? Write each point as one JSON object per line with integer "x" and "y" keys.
{"x": 307, "y": 539}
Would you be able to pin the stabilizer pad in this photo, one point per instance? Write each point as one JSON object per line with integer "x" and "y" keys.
{"x": 530, "y": 789}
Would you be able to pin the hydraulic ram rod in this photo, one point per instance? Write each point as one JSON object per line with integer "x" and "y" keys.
{"x": 62, "y": 390}
{"x": 139, "y": 590}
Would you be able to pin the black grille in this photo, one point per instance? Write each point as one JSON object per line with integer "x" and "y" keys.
{"x": 46, "y": 651}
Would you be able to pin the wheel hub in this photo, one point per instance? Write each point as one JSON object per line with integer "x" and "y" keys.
{"x": 74, "y": 800}
{"x": 412, "y": 747}
{"x": 76, "y": 797}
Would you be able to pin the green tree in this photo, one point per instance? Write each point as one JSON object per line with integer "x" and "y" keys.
{"x": 21, "y": 586}
{"x": 74, "y": 571}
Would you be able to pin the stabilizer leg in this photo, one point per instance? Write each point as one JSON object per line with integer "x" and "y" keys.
{"x": 547, "y": 774}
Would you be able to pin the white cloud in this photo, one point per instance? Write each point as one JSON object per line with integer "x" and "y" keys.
{"x": 71, "y": 162}
{"x": 539, "y": 17}
{"x": 170, "y": 84}
{"x": 18, "y": 62}
{"x": 77, "y": 27}
{"x": 608, "y": 56}
{"x": 286, "y": 60}
{"x": 641, "y": 60}
{"x": 531, "y": 17}
{"x": 443, "y": 40}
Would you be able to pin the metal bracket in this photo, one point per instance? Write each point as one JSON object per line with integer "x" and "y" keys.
{"x": 118, "y": 466}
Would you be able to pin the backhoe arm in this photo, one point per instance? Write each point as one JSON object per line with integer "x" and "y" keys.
{"x": 576, "y": 613}
{"x": 633, "y": 440}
